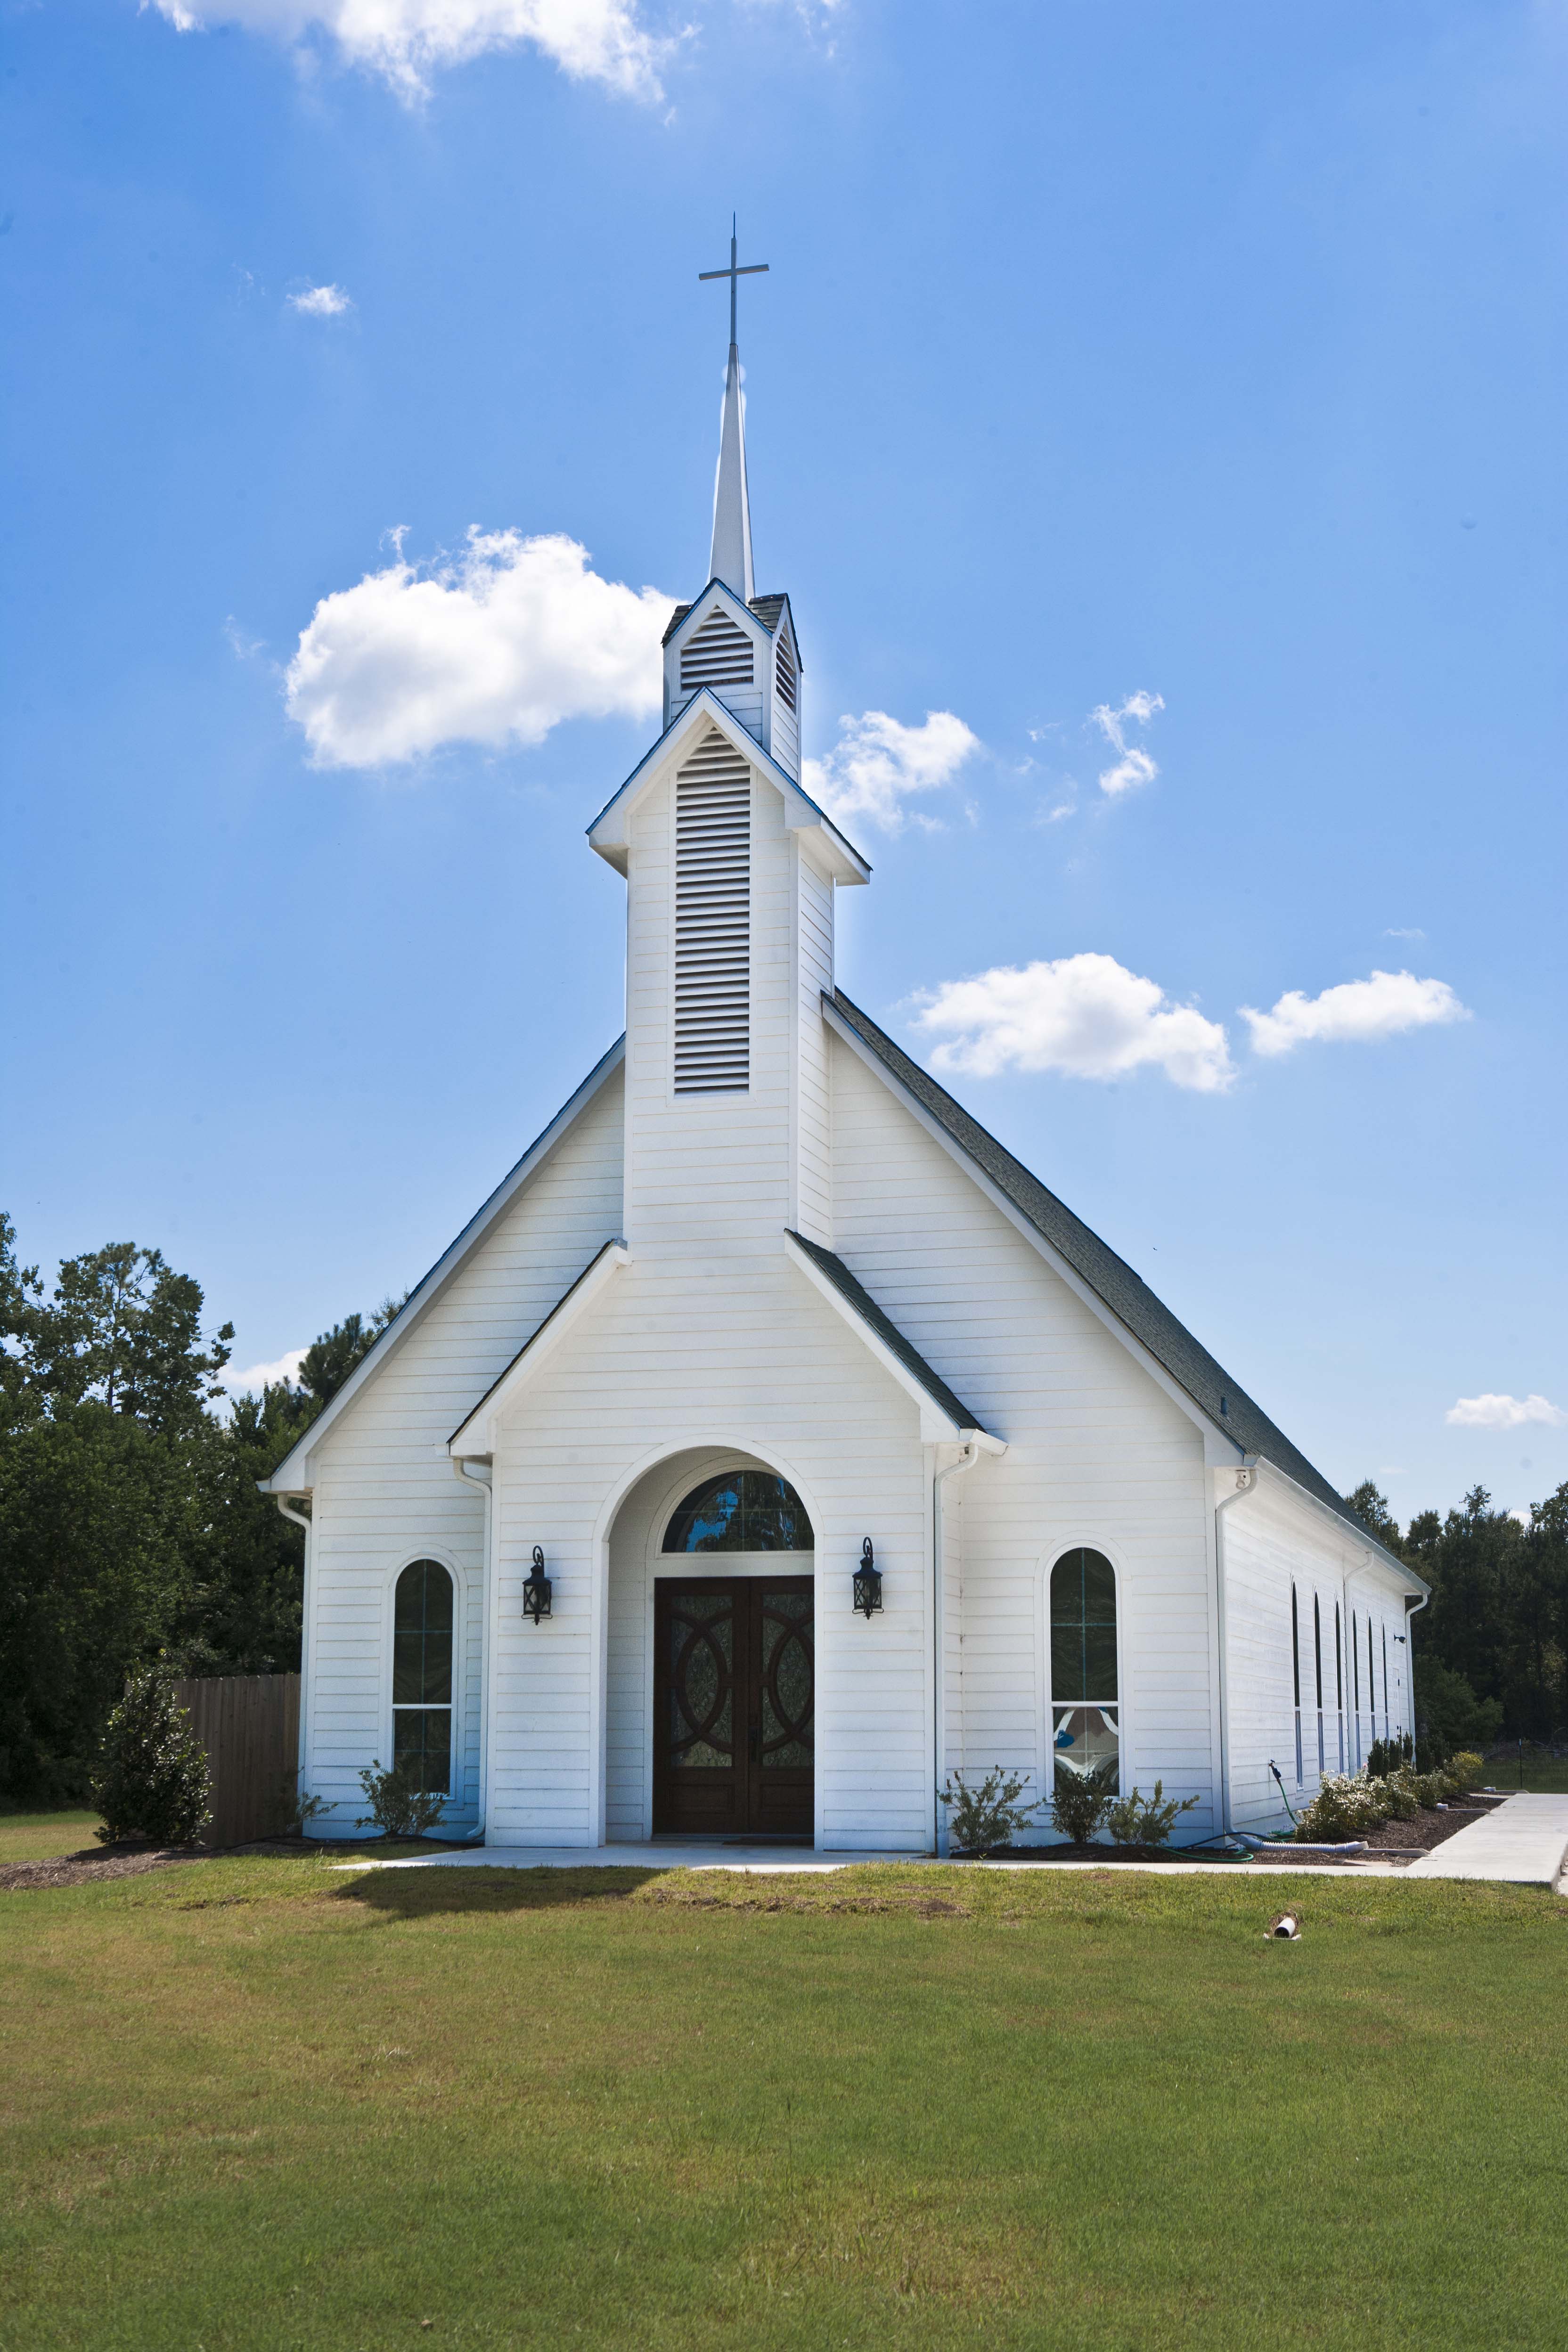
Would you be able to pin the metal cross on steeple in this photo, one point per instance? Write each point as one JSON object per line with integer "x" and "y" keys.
{"x": 737, "y": 270}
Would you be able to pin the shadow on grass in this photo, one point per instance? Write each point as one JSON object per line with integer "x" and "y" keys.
{"x": 425, "y": 1893}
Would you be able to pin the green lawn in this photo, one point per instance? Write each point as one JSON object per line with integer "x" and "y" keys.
{"x": 1543, "y": 1772}
{"x": 34, "y": 1837}
{"x": 263, "y": 2104}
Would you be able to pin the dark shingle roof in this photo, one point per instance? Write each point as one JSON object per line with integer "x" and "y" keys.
{"x": 855, "y": 1293}
{"x": 1114, "y": 1282}
{"x": 766, "y": 608}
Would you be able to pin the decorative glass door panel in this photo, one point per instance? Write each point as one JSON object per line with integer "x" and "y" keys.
{"x": 734, "y": 1705}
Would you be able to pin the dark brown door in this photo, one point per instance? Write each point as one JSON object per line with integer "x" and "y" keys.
{"x": 735, "y": 1704}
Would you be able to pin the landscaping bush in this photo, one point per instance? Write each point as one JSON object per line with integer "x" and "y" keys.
{"x": 1463, "y": 1772}
{"x": 152, "y": 1778}
{"x": 1386, "y": 1757}
{"x": 1080, "y": 1800}
{"x": 1402, "y": 1795}
{"x": 1346, "y": 1806}
{"x": 986, "y": 1816}
{"x": 399, "y": 1807}
{"x": 1147, "y": 1821}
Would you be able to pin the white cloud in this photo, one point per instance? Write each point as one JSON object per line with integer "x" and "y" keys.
{"x": 1133, "y": 766}
{"x": 1414, "y": 932}
{"x": 260, "y": 1376}
{"x": 1504, "y": 1412}
{"x": 406, "y": 41}
{"x": 1086, "y": 1015}
{"x": 498, "y": 646}
{"x": 1383, "y": 1006}
{"x": 322, "y": 302}
{"x": 876, "y": 764}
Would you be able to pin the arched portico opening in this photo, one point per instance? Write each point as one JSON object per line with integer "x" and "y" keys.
{"x": 710, "y": 1664}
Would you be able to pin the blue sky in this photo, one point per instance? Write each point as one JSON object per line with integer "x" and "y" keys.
{"x": 1196, "y": 367}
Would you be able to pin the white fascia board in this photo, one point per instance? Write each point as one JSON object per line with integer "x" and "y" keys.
{"x": 295, "y": 1475}
{"x": 1221, "y": 1449}
{"x": 610, "y": 833}
{"x": 1372, "y": 1555}
{"x": 475, "y": 1439}
{"x": 937, "y": 1426}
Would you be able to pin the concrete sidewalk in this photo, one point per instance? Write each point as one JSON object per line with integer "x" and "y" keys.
{"x": 1522, "y": 1843}
{"x": 771, "y": 1860}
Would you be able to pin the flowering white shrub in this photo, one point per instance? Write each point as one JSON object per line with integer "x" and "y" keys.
{"x": 1347, "y": 1805}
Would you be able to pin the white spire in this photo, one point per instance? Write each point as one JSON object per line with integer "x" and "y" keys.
{"x": 731, "y": 557}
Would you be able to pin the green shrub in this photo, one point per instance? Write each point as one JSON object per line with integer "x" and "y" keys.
{"x": 1464, "y": 1771}
{"x": 1346, "y": 1806}
{"x": 1080, "y": 1800}
{"x": 1386, "y": 1757}
{"x": 399, "y": 1807}
{"x": 987, "y": 1816}
{"x": 152, "y": 1778}
{"x": 1402, "y": 1795}
{"x": 1147, "y": 1821}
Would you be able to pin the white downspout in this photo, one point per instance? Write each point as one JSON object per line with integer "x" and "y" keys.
{"x": 967, "y": 1459}
{"x": 1246, "y": 1484}
{"x": 1410, "y": 1669}
{"x": 480, "y": 1476}
{"x": 307, "y": 1597}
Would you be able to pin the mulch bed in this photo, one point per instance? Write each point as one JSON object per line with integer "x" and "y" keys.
{"x": 130, "y": 1858}
{"x": 1428, "y": 1829}
{"x": 1104, "y": 1853}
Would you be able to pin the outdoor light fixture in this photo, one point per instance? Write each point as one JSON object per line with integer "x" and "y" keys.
{"x": 868, "y": 1582}
{"x": 536, "y": 1589}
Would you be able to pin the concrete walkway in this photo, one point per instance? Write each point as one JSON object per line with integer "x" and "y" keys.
{"x": 1522, "y": 1843}
{"x": 777, "y": 1860}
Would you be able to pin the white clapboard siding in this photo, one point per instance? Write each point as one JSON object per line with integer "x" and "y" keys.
{"x": 712, "y": 921}
{"x": 386, "y": 1492}
{"x": 814, "y": 1110}
{"x": 759, "y": 1362}
{"x": 1095, "y": 1449}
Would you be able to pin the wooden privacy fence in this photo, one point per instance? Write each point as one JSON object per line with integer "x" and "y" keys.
{"x": 249, "y": 1725}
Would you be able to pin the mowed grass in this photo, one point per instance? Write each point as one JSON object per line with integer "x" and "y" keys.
{"x": 35, "y": 1837}
{"x": 262, "y": 2103}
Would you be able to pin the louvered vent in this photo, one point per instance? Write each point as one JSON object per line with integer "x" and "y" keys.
{"x": 712, "y": 921}
{"x": 784, "y": 670}
{"x": 718, "y": 653}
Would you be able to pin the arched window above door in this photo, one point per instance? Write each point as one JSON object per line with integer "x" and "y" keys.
{"x": 423, "y": 1617}
{"x": 744, "y": 1510}
{"x": 1086, "y": 1716}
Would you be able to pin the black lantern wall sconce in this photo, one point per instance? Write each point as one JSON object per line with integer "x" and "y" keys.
{"x": 536, "y": 1588}
{"x": 867, "y": 1582}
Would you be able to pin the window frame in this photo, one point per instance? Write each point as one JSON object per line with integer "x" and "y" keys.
{"x": 456, "y": 1800}
{"x": 1077, "y": 1539}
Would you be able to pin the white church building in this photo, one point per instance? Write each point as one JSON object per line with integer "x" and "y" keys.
{"x": 772, "y": 1445}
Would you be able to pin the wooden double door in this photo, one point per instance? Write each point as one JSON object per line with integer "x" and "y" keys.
{"x": 734, "y": 1705}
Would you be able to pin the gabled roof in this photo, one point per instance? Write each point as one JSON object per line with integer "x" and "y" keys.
{"x": 287, "y": 1478}
{"x": 1125, "y": 1293}
{"x": 801, "y": 813}
{"x": 578, "y": 1295}
{"x": 856, "y": 1296}
{"x": 766, "y": 609}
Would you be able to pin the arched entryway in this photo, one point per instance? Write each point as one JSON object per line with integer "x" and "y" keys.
{"x": 713, "y": 1597}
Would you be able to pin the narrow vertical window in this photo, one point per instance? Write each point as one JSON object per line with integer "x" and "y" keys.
{"x": 1340, "y": 1684}
{"x": 1371, "y": 1681}
{"x": 1355, "y": 1686}
{"x": 1386, "y": 1733}
{"x": 1317, "y": 1668}
{"x": 1295, "y": 1679}
{"x": 422, "y": 1675}
{"x": 1086, "y": 1718}
{"x": 713, "y": 921}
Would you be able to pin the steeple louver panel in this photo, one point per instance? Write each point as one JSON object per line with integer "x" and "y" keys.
{"x": 712, "y": 921}
{"x": 718, "y": 653}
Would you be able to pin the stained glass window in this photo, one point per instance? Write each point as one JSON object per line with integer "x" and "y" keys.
{"x": 1085, "y": 1717}
{"x": 421, "y": 1674}
{"x": 744, "y": 1510}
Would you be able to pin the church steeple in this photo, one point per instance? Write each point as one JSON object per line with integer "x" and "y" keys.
{"x": 731, "y": 557}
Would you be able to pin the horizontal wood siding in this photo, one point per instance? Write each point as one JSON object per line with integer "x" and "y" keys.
{"x": 814, "y": 1110}
{"x": 386, "y": 1491}
{"x": 1097, "y": 1452}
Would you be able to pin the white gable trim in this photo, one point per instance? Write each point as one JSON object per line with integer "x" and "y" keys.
{"x": 295, "y": 1475}
{"x": 938, "y": 1427}
{"x": 718, "y": 593}
{"x": 610, "y": 833}
{"x": 1358, "y": 1557}
{"x": 474, "y": 1438}
{"x": 1220, "y": 1449}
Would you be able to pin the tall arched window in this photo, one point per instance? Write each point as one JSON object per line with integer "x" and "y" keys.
{"x": 421, "y": 1674}
{"x": 1086, "y": 1713}
{"x": 744, "y": 1510}
{"x": 1296, "y": 1677}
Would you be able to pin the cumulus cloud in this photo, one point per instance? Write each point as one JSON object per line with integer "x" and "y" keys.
{"x": 1383, "y": 1006}
{"x": 498, "y": 646}
{"x": 260, "y": 1376}
{"x": 1504, "y": 1412}
{"x": 406, "y": 41}
{"x": 1085, "y": 1016}
{"x": 1132, "y": 765}
{"x": 322, "y": 302}
{"x": 877, "y": 765}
